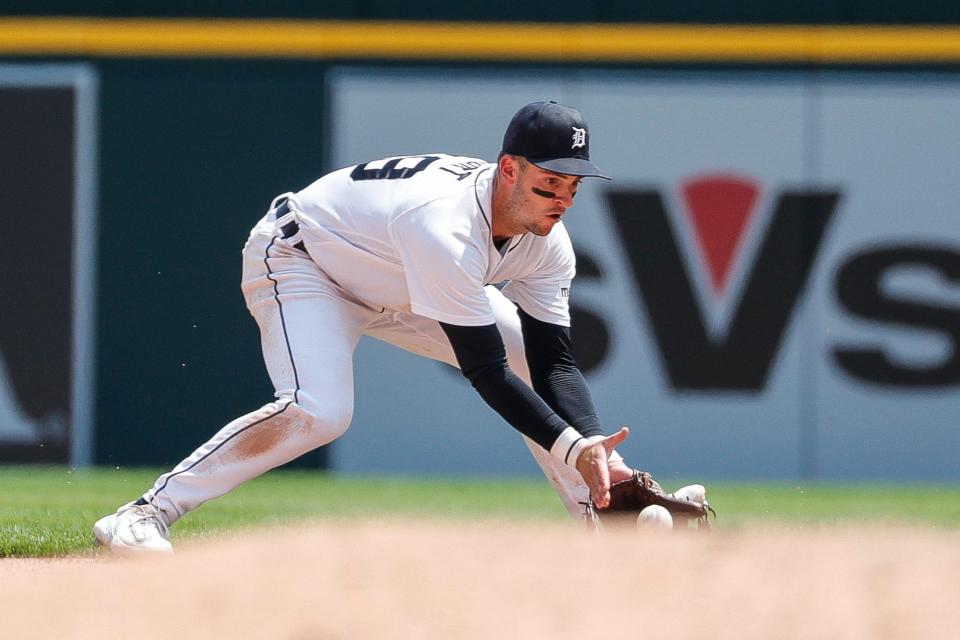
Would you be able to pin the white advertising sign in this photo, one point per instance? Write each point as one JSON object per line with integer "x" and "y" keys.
{"x": 769, "y": 288}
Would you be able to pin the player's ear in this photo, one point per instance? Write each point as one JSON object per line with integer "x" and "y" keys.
{"x": 509, "y": 167}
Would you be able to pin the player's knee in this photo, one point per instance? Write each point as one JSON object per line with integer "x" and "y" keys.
{"x": 326, "y": 421}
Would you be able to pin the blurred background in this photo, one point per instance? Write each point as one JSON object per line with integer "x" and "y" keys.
{"x": 768, "y": 289}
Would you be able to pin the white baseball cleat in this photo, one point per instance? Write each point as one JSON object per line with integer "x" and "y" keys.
{"x": 134, "y": 528}
{"x": 696, "y": 493}
{"x": 692, "y": 492}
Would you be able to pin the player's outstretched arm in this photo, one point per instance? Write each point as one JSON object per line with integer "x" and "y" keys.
{"x": 557, "y": 379}
{"x": 555, "y": 375}
{"x": 483, "y": 360}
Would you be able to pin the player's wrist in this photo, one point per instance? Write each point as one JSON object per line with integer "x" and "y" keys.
{"x": 570, "y": 444}
{"x": 618, "y": 470}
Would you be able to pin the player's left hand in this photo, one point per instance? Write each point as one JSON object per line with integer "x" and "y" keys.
{"x": 593, "y": 467}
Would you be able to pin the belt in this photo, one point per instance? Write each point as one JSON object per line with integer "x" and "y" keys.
{"x": 291, "y": 228}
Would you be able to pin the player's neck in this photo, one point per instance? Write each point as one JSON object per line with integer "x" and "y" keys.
{"x": 501, "y": 224}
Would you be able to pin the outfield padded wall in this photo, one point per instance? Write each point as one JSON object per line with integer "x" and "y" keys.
{"x": 190, "y": 153}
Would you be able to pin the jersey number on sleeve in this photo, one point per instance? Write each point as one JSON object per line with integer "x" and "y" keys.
{"x": 392, "y": 169}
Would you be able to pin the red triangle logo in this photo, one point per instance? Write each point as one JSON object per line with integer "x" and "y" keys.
{"x": 719, "y": 207}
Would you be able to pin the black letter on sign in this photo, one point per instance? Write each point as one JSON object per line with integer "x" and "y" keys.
{"x": 858, "y": 287}
{"x": 741, "y": 360}
{"x": 591, "y": 339}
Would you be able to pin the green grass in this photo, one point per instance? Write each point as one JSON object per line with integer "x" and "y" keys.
{"x": 49, "y": 511}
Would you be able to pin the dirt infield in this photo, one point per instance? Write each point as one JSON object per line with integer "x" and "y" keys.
{"x": 440, "y": 580}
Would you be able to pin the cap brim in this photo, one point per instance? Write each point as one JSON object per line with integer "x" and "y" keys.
{"x": 569, "y": 166}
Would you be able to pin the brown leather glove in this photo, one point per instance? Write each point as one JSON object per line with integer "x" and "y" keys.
{"x": 629, "y": 497}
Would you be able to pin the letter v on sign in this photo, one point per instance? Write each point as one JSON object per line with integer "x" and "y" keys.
{"x": 740, "y": 360}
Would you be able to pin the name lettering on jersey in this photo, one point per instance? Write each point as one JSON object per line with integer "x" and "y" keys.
{"x": 465, "y": 167}
{"x": 579, "y": 138}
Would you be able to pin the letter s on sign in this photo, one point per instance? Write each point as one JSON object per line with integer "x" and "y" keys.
{"x": 860, "y": 293}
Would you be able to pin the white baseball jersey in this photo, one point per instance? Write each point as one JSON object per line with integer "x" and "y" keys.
{"x": 414, "y": 233}
{"x": 394, "y": 245}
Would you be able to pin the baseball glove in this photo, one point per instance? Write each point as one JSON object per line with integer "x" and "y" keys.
{"x": 629, "y": 497}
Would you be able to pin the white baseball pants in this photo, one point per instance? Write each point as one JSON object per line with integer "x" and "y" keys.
{"x": 309, "y": 328}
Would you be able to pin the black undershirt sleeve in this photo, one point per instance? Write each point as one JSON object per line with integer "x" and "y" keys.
{"x": 483, "y": 361}
{"x": 555, "y": 375}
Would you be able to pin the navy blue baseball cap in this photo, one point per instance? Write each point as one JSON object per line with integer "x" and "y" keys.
{"x": 553, "y": 137}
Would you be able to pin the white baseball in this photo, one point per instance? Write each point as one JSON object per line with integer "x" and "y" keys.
{"x": 654, "y": 518}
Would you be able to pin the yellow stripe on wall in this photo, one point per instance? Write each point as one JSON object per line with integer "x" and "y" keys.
{"x": 551, "y": 42}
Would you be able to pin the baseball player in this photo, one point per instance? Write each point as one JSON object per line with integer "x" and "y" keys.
{"x": 408, "y": 250}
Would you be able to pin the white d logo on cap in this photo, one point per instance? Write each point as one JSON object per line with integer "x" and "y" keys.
{"x": 579, "y": 138}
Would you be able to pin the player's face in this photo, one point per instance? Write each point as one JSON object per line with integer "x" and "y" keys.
{"x": 542, "y": 197}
